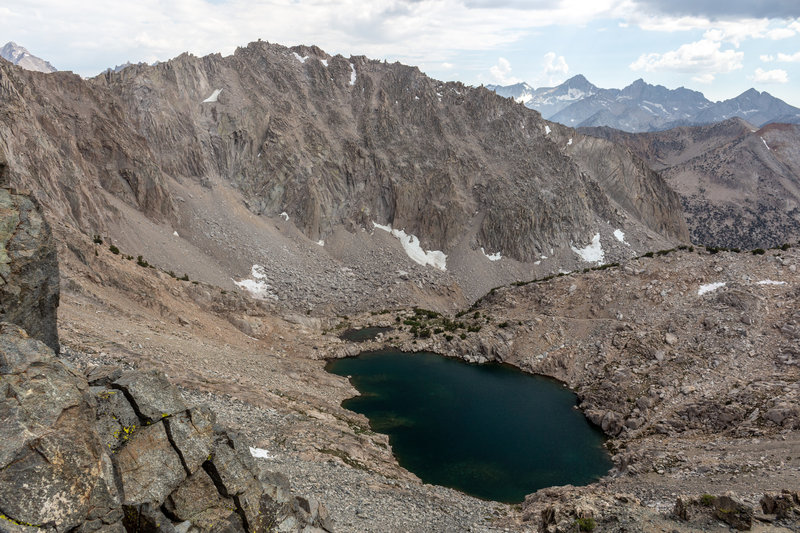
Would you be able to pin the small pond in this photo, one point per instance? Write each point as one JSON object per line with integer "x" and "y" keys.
{"x": 364, "y": 334}
{"x": 489, "y": 430}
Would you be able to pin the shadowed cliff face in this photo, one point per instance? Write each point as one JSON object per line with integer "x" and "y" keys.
{"x": 332, "y": 142}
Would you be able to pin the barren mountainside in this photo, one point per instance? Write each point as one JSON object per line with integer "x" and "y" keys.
{"x": 333, "y": 145}
{"x": 740, "y": 186}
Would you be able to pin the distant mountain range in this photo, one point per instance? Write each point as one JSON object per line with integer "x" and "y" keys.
{"x": 641, "y": 107}
{"x": 20, "y": 56}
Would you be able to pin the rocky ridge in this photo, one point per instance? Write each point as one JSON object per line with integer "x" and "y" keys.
{"x": 458, "y": 167}
{"x": 738, "y": 184}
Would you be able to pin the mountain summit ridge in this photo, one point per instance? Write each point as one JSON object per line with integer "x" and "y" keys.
{"x": 19, "y": 55}
{"x": 642, "y": 107}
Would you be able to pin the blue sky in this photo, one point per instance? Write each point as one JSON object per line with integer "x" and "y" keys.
{"x": 721, "y": 48}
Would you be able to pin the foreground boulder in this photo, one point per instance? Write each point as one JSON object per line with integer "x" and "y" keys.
{"x": 54, "y": 472}
{"x": 28, "y": 265}
{"x": 123, "y": 452}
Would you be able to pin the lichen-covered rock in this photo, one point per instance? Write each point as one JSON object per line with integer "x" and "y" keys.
{"x": 192, "y": 433}
{"x": 151, "y": 395}
{"x": 116, "y": 419}
{"x": 733, "y": 513}
{"x": 29, "y": 291}
{"x": 53, "y": 468}
{"x": 782, "y": 505}
{"x": 148, "y": 466}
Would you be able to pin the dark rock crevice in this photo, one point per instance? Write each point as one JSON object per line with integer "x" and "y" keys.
{"x": 132, "y": 402}
{"x": 211, "y": 469}
{"x": 177, "y": 449}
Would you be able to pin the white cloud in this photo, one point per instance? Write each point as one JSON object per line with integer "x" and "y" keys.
{"x": 555, "y": 68}
{"x": 770, "y": 76}
{"x": 447, "y": 66}
{"x": 789, "y": 58}
{"x": 734, "y": 31}
{"x": 501, "y": 72}
{"x": 703, "y": 58}
{"x": 780, "y": 33}
{"x": 89, "y": 35}
{"x": 703, "y": 78}
{"x": 767, "y": 58}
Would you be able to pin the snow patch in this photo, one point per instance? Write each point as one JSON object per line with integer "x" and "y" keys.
{"x": 321, "y": 242}
{"x": 765, "y": 143}
{"x": 260, "y": 453}
{"x": 324, "y": 62}
{"x": 257, "y": 285}
{"x": 620, "y": 236}
{"x": 413, "y": 250}
{"x": 572, "y": 94}
{"x": 300, "y": 58}
{"x": 213, "y": 98}
{"x": 569, "y": 141}
{"x": 175, "y": 234}
{"x": 661, "y": 107}
{"x": 708, "y": 287}
{"x": 593, "y": 253}
{"x": 352, "y": 74}
{"x": 537, "y": 262}
{"x": 285, "y": 216}
{"x": 492, "y": 257}
{"x": 770, "y": 282}
{"x": 547, "y": 130}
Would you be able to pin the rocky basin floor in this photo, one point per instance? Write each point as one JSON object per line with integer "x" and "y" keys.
{"x": 713, "y": 373}
{"x": 358, "y": 499}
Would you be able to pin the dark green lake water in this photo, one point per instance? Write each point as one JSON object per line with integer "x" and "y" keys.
{"x": 486, "y": 430}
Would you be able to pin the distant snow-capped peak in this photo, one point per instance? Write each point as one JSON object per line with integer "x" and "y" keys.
{"x": 19, "y": 55}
